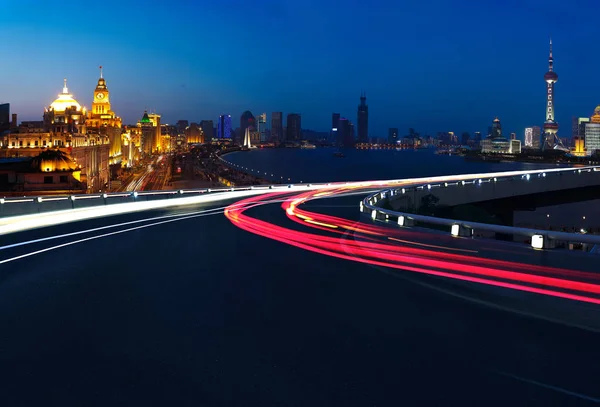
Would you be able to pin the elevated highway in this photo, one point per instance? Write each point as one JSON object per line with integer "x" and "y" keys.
{"x": 285, "y": 294}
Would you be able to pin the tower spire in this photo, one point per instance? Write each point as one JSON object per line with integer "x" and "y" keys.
{"x": 65, "y": 89}
{"x": 100, "y": 71}
{"x": 550, "y": 58}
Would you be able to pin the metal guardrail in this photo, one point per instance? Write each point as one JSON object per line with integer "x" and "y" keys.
{"x": 27, "y": 205}
{"x": 540, "y": 238}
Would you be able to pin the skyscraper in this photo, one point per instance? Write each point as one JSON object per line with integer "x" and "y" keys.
{"x": 247, "y": 121}
{"x": 224, "y": 127}
{"x": 335, "y": 123}
{"x": 393, "y": 135}
{"x": 346, "y": 133}
{"x": 363, "y": 120}
{"x": 277, "y": 126}
{"x": 4, "y": 116}
{"x": 529, "y": 137}
{"x": 207, "y": 129}
{"x": 294, "y": 127}
{"x": 537, "y": 134}
{"x": 550, "y": 125}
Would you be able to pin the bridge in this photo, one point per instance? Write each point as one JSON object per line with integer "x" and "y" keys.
{"x": 269, "y": 289}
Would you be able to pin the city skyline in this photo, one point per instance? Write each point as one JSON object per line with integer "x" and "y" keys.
{"x": 458, "y": 84}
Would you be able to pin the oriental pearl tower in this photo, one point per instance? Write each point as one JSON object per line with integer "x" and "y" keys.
{"x": 550, "y": 125}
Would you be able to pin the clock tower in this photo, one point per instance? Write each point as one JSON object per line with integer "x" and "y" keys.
{"x": 102, "y": 120}
{"x": 101, "y": 103}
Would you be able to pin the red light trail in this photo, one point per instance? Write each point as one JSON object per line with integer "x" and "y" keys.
{"x": 379, "y": 246}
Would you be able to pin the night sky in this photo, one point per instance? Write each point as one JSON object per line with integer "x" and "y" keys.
{"x": 432, "y": 65}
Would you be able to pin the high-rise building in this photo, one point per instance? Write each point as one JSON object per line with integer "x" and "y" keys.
{"x": 592, "y": 133}
{"x": 550, "y": 125}
{"x": 247, "y": 121}
{"x": 393, "y": 135}
{"x": 181, "y": 126}
{"x": 528, "y": 137}
{"x": 464, "y": 138}
{"x": 207, "y": 127}
{"x": 537, "y": 137}
{"x": 224, "y": 127}
{"x": 277, "y": 126}
{"x": 294, "y": 127}
{"x": 477, "y": 136}
{"x": 194, "y": 134}
{"x": 335, "y": 123}
{"x": 4, "y": 116}
{"x": 513, "y": 136}
{"x": 496, "y": 129}
{"x": 346, "y": 133}
{"x": 363, "y": 120}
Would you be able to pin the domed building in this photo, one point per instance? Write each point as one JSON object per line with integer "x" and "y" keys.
{"x": 65, "y": 116}
{"x": 496, "y": 143}
{"x": 50, "y": 172}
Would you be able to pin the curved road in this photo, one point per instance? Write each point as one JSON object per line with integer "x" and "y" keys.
{"x": 289, "y": 300}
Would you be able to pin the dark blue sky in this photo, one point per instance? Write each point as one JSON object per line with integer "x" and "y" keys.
{"x": 432, "y": 65}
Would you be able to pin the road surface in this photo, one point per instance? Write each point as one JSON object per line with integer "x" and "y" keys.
{"x": 182, "y": 306}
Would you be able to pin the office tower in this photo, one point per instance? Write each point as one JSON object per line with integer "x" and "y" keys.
{"x": 529, "y": 137}
{"x": 464, "y": 138}
{"x": 207, "y": 129}
{"x": 513, "y": 136}
{"x": 346, "y": 133}
{"x": 550, "y": 125}
{"x": 477, "y": 136}
{"x": 537, "y": 135}
{"x": 592, "y": 133}
{"x": 224, "y": 127}
{"x": 294, "y": 127}
{"x": 363, "y": 120}
{"x": 393, "y": 135}
{"x": 277, "y": 126}
{"x": 335, "y": 123}
{"x": 496, "y": 129}
{"x": 247, "y": 121}
{"x": 4, "y": 116}
{"x": 181, "y": 126}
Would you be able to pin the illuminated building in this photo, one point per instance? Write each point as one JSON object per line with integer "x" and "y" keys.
{"x": 393, "y": 135}
{"x": 550, "y": 125}
{"x": 294, "y": 127}
{"x": 102, "y": 120}
{"x": 335, "y": 124}
{"x": 208, "y": 129}
{"x": 513, "y": 136}
{"x": 496, "y": 128}
{"x": 194, "y": 134}
{"x": 495, "y": 143}
{"x": 65, "y": 119}
{"x": 50, "y": 172}
{"x": 247, "y": 121}
{"x": 224, "y": 127}
{"x": 362, "y": 120}
{"x": 592, "y": 133}
{"x": 537, "y": 134}
{"x": 64, "y": 127}
{"x": 528, "y": 137}
{"x": 4, "y": 116}
{"x": 277, "y": 126}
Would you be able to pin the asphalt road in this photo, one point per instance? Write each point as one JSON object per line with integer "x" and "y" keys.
{"x": 198, "y": 312}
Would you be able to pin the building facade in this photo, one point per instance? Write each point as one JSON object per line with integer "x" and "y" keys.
{"x": 277, "y": 126}
{"x": 362, "y": 120}
{"x": 294, "y": 127}
{"x": 224, "y": 127}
